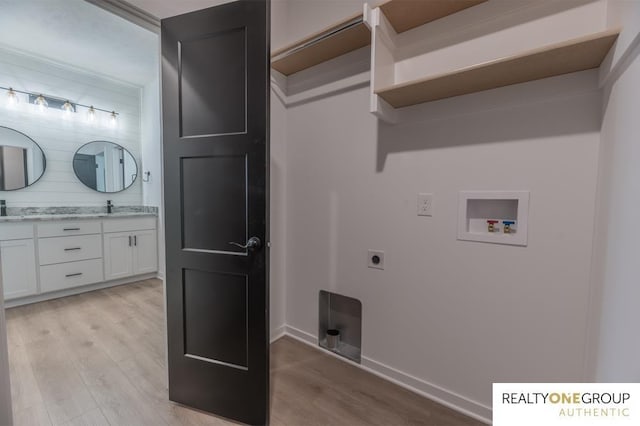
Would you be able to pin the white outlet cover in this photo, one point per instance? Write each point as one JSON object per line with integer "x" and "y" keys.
{"x": 371, "y": 254}
{"x": 425, "y": 204}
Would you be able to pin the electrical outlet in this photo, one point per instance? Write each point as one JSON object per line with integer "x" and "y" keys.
{"x": 425, "y": 204}
{"x": 375, "y": 259}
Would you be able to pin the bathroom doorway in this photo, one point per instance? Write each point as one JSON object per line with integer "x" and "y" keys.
{"x": 82, "y": 248}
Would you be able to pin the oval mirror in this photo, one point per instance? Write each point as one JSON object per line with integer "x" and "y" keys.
{"x": 105, "y": 166}
{"x": 22, "y": 162}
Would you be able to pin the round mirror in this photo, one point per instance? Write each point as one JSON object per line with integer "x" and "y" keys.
{"x": 22, "y": 161}
{"x": 105, "y": 166}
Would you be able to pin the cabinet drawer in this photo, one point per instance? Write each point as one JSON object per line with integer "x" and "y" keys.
{"x": 129, "y": 224}
{"x": 69, "y": 275}
{"x": 65, "y": 228}
{"x": 15, "y": 231}
{"x": 69, "y": 249}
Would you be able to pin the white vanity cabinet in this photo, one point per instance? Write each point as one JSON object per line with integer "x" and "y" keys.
{"x": 130, "y": 247}
{"x": 18, "y": 260}
{"x": 42, "y": 259}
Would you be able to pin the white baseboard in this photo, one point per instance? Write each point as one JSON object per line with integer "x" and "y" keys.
{"x": 277, "y": 333}
{"x": 73, "y": 291}
{"x": 428, "y": 390}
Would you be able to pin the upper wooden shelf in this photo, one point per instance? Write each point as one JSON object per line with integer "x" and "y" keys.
{"x": 562, "y": 58}
{"x": 352, "y": 33}
{"x": 404, "y": 15}
{"x": 345, "y": 36}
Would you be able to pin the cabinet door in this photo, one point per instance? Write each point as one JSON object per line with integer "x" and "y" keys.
{"x": 118, "y": 255}
{"x": 145, "y": 254}
{"x": 18, "y": 268}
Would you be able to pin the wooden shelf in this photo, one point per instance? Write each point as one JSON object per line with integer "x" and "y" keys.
{"x": 570, "y": 56}
{"x": 352, "y": 33}
{"x": 404, "y": 15}
{"x": 343, "y": 37}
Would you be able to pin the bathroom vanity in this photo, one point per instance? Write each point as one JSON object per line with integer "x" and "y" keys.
{"x": 49, "y": 256}
{"x": 48, "y": 252}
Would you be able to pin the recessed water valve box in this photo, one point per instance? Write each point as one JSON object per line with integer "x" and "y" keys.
{"x": 499, "y": 217}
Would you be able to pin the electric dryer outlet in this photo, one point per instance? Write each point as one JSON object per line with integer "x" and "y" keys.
{"x": 375, "y": 259}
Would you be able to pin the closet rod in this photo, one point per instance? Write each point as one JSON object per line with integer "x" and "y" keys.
{"x": 320, "y": 38}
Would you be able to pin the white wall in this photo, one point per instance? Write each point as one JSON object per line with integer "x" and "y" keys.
{"x": 445, "y": 316}
{"x": 615, "y": 263}
{"x": 151, "y": 143}
{"x": 59, "y": 138}
{"x": 305, "y": 17}
{"x": 166, "y": 8}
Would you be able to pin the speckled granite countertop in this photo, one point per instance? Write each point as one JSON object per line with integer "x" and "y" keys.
{"x": 71, "y": 216}
{"x": 18, "y": 214}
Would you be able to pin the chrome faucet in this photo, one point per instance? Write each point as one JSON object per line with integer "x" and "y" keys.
{"x": 109, "y": 206}
{"x": 3, "y": 208}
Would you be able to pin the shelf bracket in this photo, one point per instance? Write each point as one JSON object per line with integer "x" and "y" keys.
{"x": 382, "y": 62}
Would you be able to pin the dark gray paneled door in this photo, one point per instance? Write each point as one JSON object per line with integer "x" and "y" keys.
{"x": 215, "y": 98}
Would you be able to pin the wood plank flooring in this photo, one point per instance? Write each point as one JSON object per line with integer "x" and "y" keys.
{"x": 98, "y": 359}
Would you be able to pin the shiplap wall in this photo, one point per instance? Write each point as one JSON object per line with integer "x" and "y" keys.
{"x": 60, "y": 138}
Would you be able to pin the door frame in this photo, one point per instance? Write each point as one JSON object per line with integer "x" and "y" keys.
{"x": 6, "y": 410}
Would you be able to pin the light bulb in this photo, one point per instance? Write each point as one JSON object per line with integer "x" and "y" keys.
{"x": 41, "y": 103}
{"x": 91, "y": 114}
{"x": 113, "y": 119}
{"x": 12, "y": 98}
{"x": 68, "y": 109}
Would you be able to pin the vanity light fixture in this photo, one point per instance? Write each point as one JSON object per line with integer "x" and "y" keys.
{"x": 91, "y": 114}
{"x": 113, "y": 119}
{"x": 42, "y": 102}
{"x": 12, "y": 97}
{"x": 68, "y": 107}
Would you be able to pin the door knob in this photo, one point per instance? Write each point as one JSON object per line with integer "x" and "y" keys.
{"x": 254, "y": 243}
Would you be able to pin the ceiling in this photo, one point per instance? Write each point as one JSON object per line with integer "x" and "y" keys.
{"x": 80, "y": 34}
{"x": 164, "y": 8}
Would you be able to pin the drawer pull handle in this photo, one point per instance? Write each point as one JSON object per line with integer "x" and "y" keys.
{"x": 73, "y": 275}
{"x": 73, "y": 249}
{"x": 71, "y": 229}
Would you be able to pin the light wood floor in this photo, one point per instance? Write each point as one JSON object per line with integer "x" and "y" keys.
{"x": 98, "y": 359}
